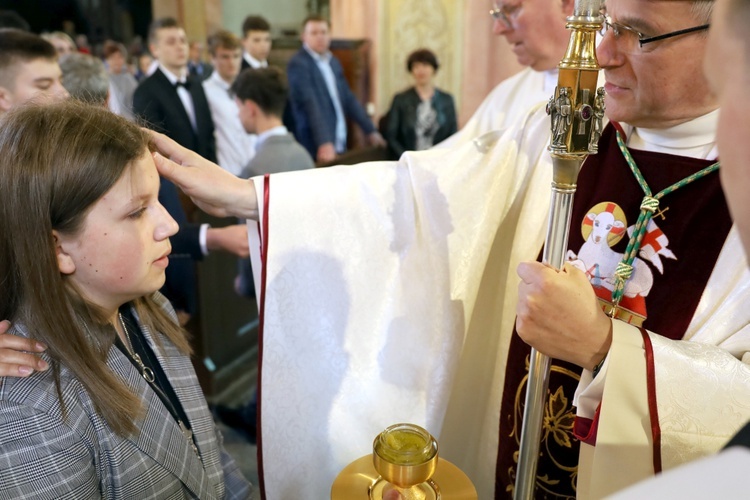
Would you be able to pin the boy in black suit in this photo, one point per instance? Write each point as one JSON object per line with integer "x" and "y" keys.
{"x": 173, "y": 102}
{"x": 256, "y": 42}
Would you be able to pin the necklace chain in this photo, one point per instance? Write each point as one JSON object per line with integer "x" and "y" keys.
{"x": 649, "y": 206}
{"x": 148, "y": 374}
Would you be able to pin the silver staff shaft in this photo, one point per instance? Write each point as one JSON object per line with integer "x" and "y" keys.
{"x": 576, "y": 110}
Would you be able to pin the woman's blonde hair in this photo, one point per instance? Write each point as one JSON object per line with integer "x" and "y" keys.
{"x": 57, "y": 161}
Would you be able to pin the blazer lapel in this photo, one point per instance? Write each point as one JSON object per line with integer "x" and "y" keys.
{"x": 185, "y": 384}
{"x": 161, "y": 438}
{"x": 321, "y": 85}
{"x": 200, "y": 104}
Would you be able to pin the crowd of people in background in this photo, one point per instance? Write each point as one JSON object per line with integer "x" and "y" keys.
{"x": 320, "y": 103}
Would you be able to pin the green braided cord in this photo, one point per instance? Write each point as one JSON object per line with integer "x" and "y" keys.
{"x": 649, "y": 206}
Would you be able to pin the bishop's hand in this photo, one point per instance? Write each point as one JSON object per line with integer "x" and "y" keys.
{"x": 212, "y": 188}
{"x": 558, "y": 314}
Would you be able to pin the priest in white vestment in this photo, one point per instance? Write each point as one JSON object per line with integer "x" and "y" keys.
{"x": 389, "y": 292}
{"x": 535, "y": 30}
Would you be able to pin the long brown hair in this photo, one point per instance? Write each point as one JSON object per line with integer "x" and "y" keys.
{"x": 56, "y": 161}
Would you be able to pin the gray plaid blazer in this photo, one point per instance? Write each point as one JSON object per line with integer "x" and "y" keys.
{"x": 43, "y": 455}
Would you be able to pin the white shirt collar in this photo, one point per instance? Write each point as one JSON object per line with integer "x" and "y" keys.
{"x": 219, "y": 81}
{"x": 318, "y": 57}
{"x": 253, "y": 62}
{"x": 696, "y": 137}
{"x": 171, "y": 76}
{"x": 280, "y": 130}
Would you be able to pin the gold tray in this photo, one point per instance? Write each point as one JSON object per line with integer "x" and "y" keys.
{"x": 360, "y": 477}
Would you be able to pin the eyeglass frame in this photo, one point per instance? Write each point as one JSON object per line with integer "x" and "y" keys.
{"x": 642, "y": 39}
{"x": 503, "y": 13}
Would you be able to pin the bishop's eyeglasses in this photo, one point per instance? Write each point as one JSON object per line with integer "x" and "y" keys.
{"x": 632, "y": 41}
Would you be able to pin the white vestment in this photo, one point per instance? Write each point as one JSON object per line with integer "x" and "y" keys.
{"x": 718, "y": 476}
{"x": 511, "y": 99}
{"x": 390, "y": 294}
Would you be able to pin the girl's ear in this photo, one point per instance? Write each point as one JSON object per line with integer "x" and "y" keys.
{"x": 64, "y": 261}
{"x": 6, "y": 99}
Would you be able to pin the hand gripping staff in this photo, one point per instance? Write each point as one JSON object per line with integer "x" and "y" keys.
{"x": 576, "y": 111}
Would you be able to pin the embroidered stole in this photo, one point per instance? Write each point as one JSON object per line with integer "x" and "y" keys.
{"x": 678, "y": 254}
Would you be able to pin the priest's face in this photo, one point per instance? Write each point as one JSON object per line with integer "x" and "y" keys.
{"x": 727, "y": 68}
{"x": 659, "y": 84}
{"x": 535, "y": 30}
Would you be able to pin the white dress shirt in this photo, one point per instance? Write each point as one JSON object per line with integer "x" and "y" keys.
{"x": 253, "y": 62}
{"x": 182, "y": 92}
{"x": 234, "y": 146}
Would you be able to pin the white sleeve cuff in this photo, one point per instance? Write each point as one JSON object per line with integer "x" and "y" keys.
{"x": 202, "y": 238}
{"x": 590, "y": 389}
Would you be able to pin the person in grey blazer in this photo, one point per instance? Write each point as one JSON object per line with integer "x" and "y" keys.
{"x": 120, "y": 414}
{"x": 261, "y": 95}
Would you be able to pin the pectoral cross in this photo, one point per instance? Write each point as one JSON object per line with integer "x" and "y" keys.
{"x": 660, "y": 213}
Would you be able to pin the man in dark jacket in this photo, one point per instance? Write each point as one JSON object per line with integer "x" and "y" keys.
{"x": 320, "y": 97}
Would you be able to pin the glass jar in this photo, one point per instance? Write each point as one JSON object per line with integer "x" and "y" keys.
{"x": 405, "y": 456}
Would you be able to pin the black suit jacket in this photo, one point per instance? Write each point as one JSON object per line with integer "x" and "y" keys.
{"x": 157, "y": 103}
{"x": 400, "y": 132}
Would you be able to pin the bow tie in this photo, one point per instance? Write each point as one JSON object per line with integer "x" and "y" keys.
{"x": 179, "y": 84}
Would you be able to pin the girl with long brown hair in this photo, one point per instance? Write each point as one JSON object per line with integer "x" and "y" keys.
{"x": 84, "y": 244}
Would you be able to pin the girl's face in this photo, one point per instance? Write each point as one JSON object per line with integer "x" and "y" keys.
{"x": 121, "y": 252}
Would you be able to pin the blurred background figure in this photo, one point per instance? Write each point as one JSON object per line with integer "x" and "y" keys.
{"x": 28, "y": 70}
{"x": 62, "y": 42}
{"x": 82, "y": 43}
{"x": 196, "y": 65}
{"x": 234, "y": 147}
{"x": 12, "y": 19}
{"x": 423, "y": 115}
{"x": 122, "y": 83}
{"x": 144, "y": 66}
{"x": 256, "y": 42}
{"x": 85, "y": 78}
{"x": 320, "y": 97}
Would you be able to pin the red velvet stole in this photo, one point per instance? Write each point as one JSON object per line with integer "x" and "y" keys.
{"x": 696, "y": 225}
